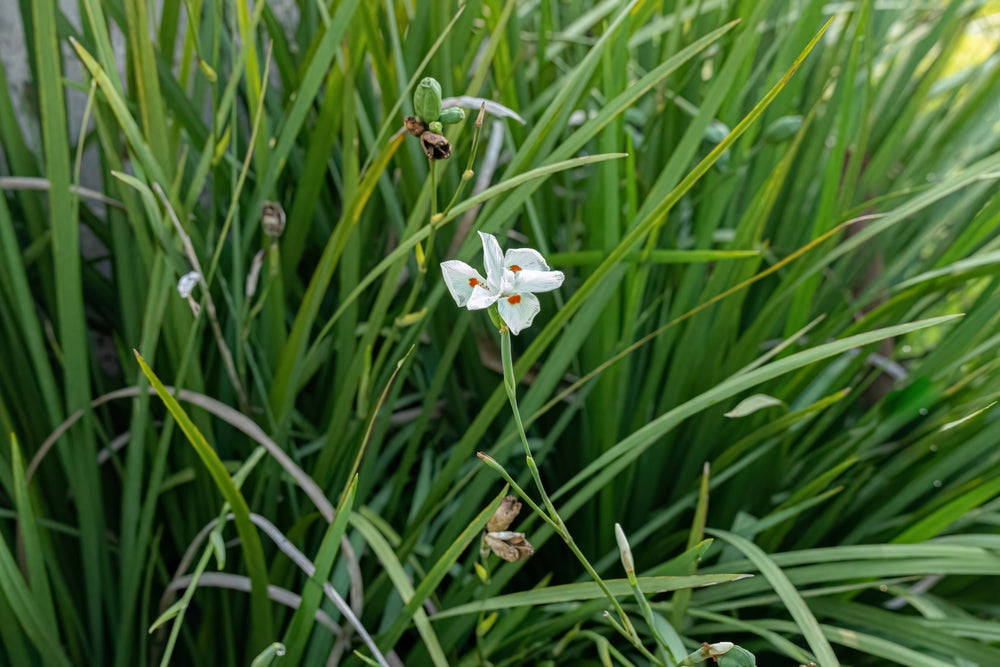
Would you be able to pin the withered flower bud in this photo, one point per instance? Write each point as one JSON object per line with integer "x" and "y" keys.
{"x": 508, "y": 545}
{"x": 504, "y": 543}
{"x": 509, "y": 508}
{"x": 414, "y": 125}
{"x": 272, "y": 219}
{"x": 436, "y": 146}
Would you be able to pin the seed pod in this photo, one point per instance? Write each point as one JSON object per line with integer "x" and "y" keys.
{"x": 414, "y": 125}
{"x": 452, "y": 115}
{"x": 272, "y": 219}
{"x": 436, "y": 146}
{"x": 427, "y": 99}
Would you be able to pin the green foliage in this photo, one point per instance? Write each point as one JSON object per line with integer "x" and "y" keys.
{"x": 779, "y": 228}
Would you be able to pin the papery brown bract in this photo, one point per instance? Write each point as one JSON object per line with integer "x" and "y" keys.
{"x": 506, "y": 544}
{"x": 414, "y": 125}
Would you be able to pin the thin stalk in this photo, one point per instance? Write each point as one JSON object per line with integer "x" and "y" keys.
{"x": 424, "y": 257}
{"x": 468, "y": 173}
{"x": 425, "y": 260}
{"x": 192, "y": 256}
{"x": 556, "y": 521}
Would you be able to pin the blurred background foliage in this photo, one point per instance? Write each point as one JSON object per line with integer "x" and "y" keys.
{"x": 743, "y": 227}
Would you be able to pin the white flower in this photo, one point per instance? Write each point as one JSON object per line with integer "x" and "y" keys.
{"x": 510, "y": 281}
{"x": 186, "y": 284}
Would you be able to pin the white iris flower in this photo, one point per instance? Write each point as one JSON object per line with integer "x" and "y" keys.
{"x": 510, "y": 281}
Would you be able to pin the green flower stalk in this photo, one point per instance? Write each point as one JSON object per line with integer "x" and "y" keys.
{"x": 507, "y": 294}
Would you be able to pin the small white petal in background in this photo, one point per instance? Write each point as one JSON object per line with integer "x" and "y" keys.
{"x": 253, "y": 275}
{"x": 186, "y": 284}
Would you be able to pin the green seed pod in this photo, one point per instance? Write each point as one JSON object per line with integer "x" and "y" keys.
{"x": 427, "y": 100}
{"x": 435, "y": 126}
{"x": 452, "y": 115}
{"x": 737, "y": 657}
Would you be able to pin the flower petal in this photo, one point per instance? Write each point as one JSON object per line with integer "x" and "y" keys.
{"x": 492, "y": 257}
{"x": 538, "y": 281}
{"x": 482, "y": 297}
{"x": 461, "y": 279}
{"x": 518, "y": 310}
{"x": 504, "y": 285}
{"x": 526, "y": 259}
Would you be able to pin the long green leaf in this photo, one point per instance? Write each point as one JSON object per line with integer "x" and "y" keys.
{"x": 252, "y": 549}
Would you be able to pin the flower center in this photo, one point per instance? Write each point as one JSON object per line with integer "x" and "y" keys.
{"x": 515, "y": 268}
{"x": 514, "y": 300}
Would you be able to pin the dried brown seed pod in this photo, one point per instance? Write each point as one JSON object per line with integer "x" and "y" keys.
{"x": 414, "y": 125}
{"x": 436, "y": 146}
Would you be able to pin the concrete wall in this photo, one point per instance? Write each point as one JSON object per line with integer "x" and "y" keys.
{"x": 14, "y": 56}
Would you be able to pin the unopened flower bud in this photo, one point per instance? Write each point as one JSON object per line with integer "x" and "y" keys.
{"x": 272, "y": 219}
{"x": 435, "y": 126}
{"x": 452, "y": 115}
{"x": 625, "y": 550}
{"x": 427, "y": 99}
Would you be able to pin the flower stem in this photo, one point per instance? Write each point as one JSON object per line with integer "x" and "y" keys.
{"x": 553, "y": 517}
{"x": 423, "y": 257}
{"x": 468, "y": 173}
{"x": 422, "y": 265}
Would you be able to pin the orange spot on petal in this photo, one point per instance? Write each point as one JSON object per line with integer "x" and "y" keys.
{"x": 473, "y": 282}
{"x": 515, "y": 268}
{"x": 514, "y": 300}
